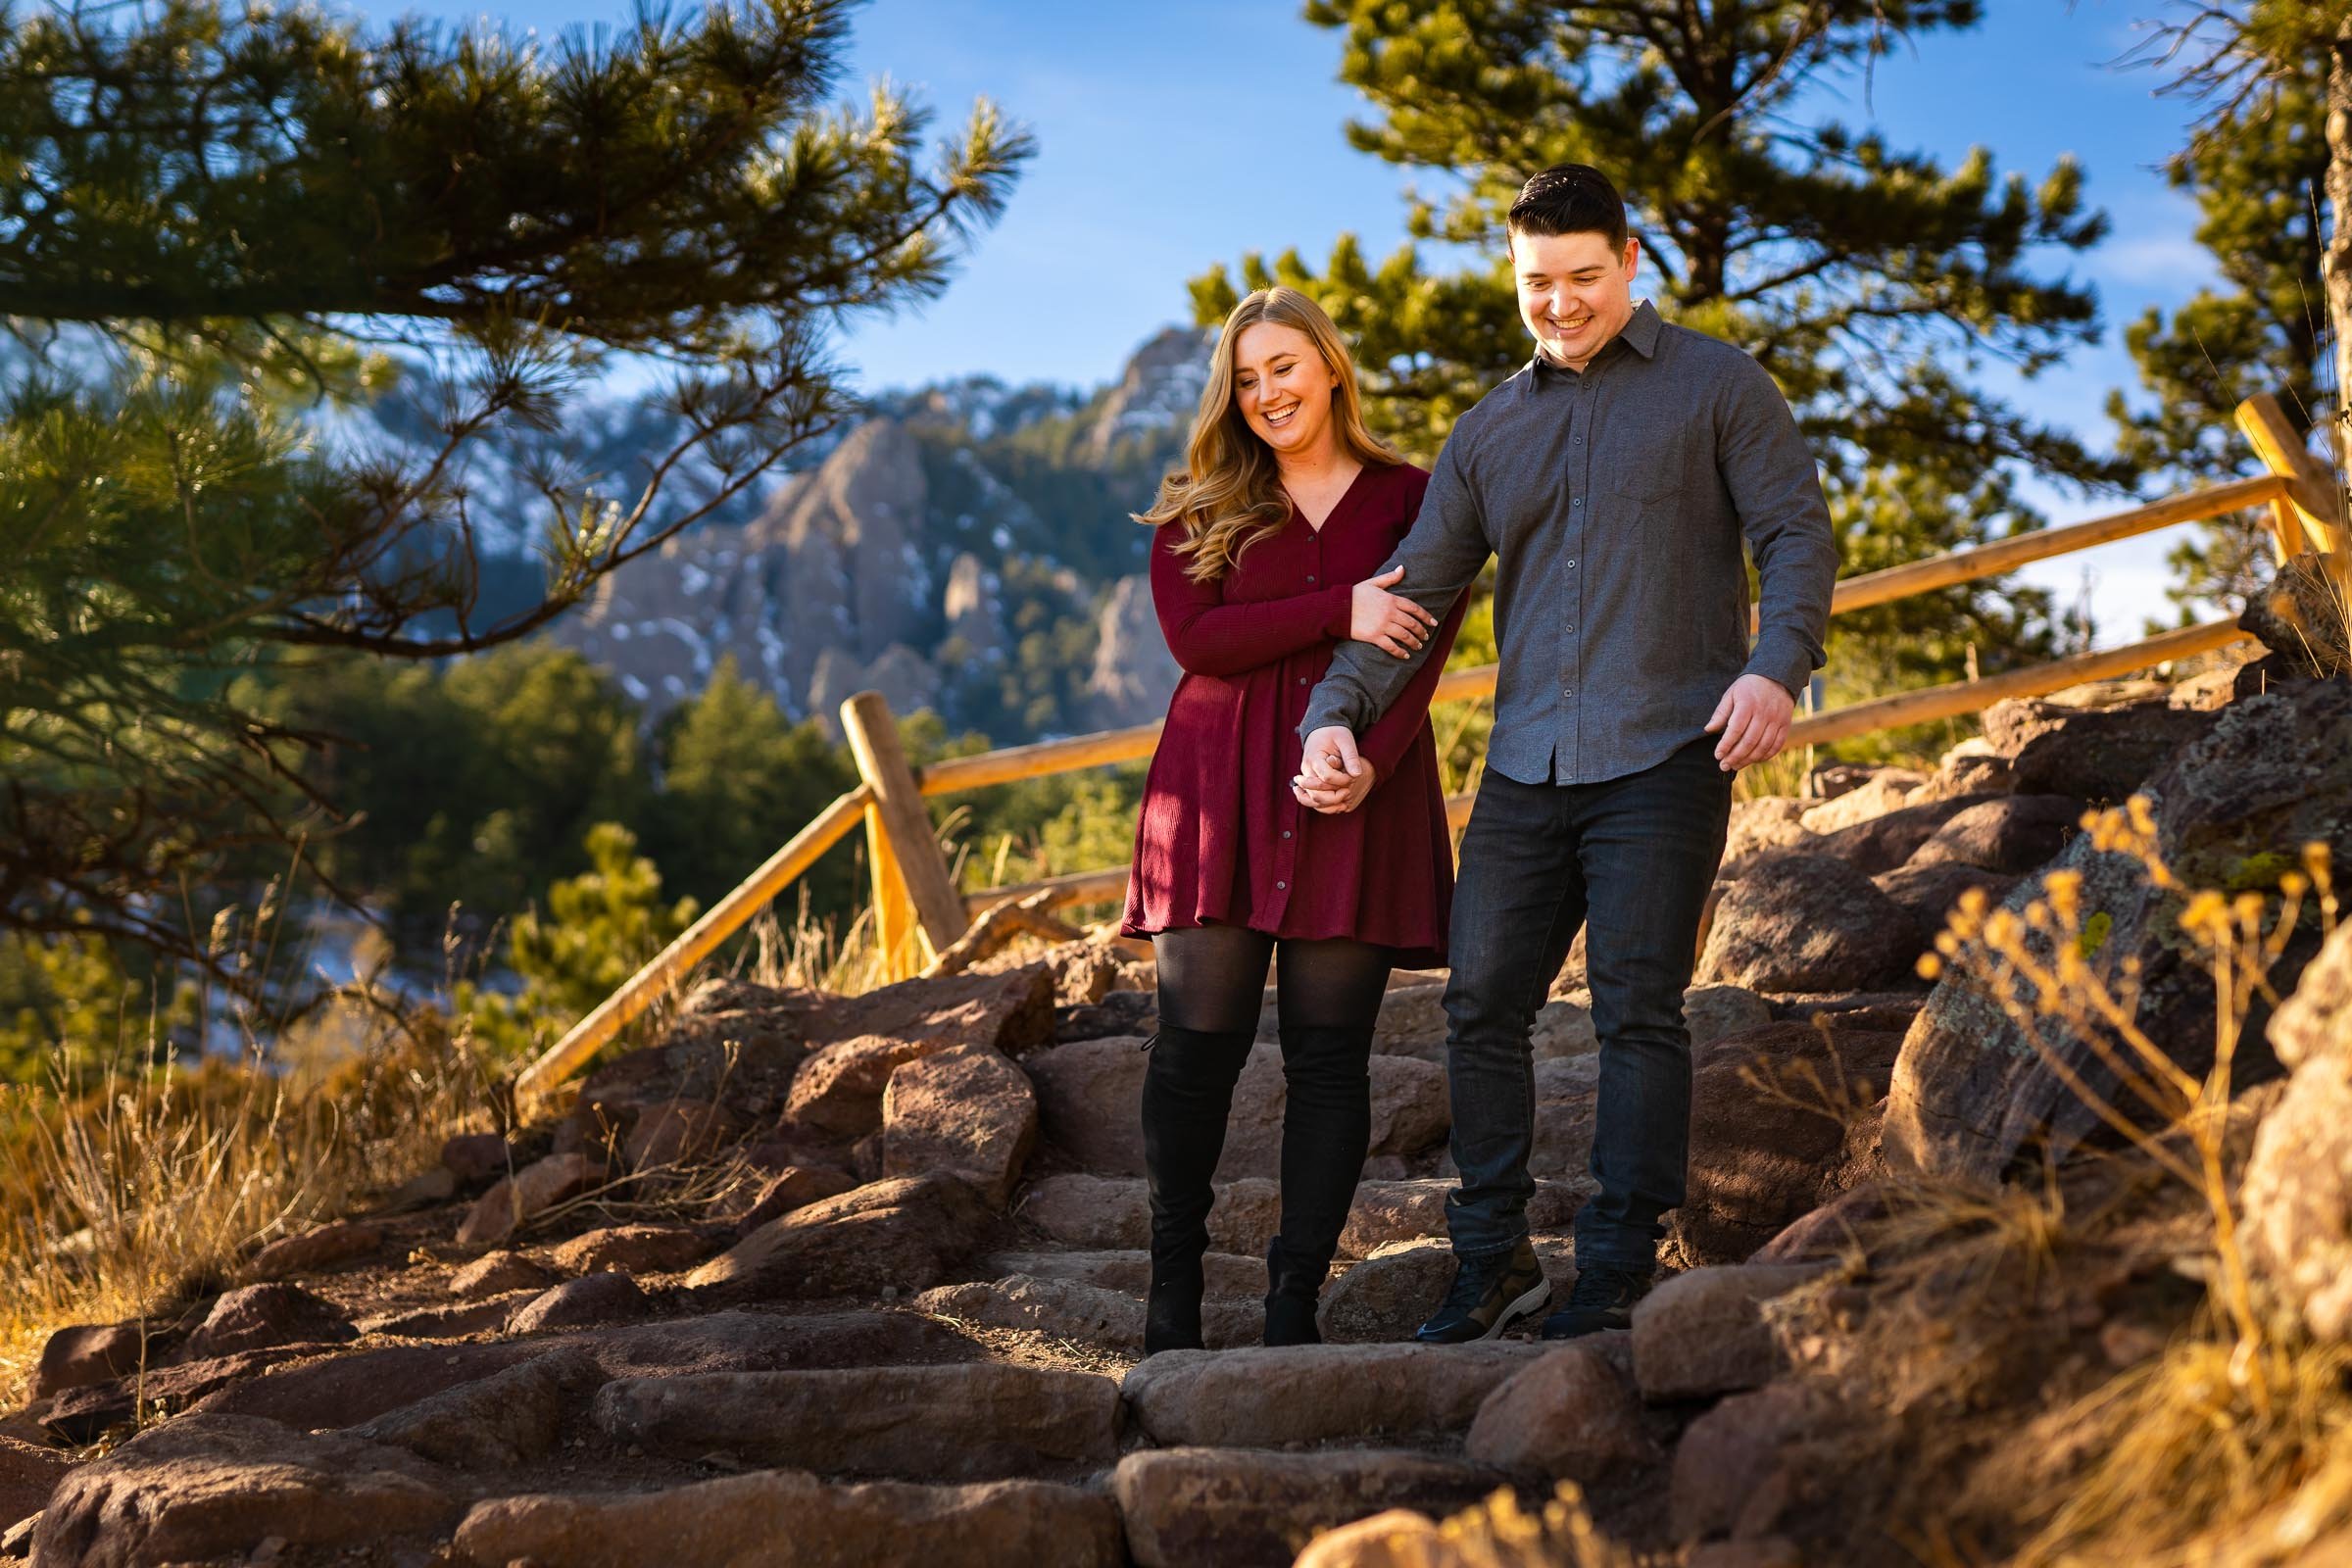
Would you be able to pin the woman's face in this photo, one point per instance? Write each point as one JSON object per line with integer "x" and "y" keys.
{"x": 1283, "y": 386}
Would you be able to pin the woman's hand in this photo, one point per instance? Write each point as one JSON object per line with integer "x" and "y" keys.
{"x": 1334, "y": 799}
{"x": 1385, "y": 620}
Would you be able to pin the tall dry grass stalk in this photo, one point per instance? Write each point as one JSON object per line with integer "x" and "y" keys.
{"x": 129, "y": 1195}
{"x": 2235, "y": 1416}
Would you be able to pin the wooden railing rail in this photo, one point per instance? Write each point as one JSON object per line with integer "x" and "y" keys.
{"x": 917, "y": 913}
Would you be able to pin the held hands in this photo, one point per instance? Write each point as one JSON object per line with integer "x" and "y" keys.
{"x": 1384, "y": 619}
{"x": 1753, "y": 717}
{"x": 1332, "y": 777}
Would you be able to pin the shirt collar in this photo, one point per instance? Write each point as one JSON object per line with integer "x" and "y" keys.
{"x": 1640, "y": 333}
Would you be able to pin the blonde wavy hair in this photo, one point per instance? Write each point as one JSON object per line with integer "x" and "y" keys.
{"x": 1228, "y": 494}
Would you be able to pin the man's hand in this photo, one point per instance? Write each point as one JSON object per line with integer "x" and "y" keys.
{"x": 1753, "y": 717}
{"x": 1333, "y": 800}
{"x": 1329, "y": 759}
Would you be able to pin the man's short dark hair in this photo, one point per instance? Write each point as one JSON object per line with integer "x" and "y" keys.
{"x": 1570, "y": 199}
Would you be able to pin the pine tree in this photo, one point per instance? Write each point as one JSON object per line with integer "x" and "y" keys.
{"x": 2270, "y": 163}
{"x": 1874, "y": 283}
{"x": 214, "y": 225}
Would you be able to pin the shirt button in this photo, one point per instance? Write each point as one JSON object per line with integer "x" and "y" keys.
{"x": 1310, "y": 577}
{"x": 1571, "y": 565}
{"x": 1286, "y": 832}
{"x": 1567, "y": 628}
{"x": 1280, "y": 885}
{"x": 1303, "y": 680}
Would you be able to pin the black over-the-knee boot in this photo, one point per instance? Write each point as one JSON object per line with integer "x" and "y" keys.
{"x": 1326, "y": 1129}
{"x": 1188, "y": 1093}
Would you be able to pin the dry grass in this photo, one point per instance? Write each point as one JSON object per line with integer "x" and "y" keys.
{"x": 1498, "y": 1533}
{"x": 130, "y": 1194}
{"x": 2078, "y": 1370}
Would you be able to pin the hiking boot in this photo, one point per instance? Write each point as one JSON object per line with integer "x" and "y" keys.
{"x": 1602, "y": 1299}
{"x": 1488, "y": 1295}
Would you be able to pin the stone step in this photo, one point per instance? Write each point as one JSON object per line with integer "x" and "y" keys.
{"x": 1384, "y": 1297}
{"x": 971, "y": 1422}
{"x": 1129, "y": 1271}
{"x": 1096, "y": 1213}
{"x": 1089, "y": 1315}
{"x": 778, "y": 1517}
{"x": 1314, "y": 1393}
{"x": 1186, "y": 1507}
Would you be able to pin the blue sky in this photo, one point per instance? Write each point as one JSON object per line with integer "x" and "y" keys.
{"x": 1175, "y": 136}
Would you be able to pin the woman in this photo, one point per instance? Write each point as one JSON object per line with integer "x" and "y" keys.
{"x": 1265, "y": 554}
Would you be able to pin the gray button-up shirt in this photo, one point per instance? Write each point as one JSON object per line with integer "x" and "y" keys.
{"x": 1615, "y": 500}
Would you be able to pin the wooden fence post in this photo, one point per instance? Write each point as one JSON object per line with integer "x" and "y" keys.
{"x": 910, "y": 875}
{"x": 2312, "y": 513}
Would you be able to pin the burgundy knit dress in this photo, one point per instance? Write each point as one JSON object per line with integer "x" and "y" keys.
{"x": 1220, "y": 840}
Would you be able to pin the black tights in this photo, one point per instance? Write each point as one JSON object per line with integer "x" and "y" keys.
{"x": 1211, "y": 988}
{"x": 1213, "y": 980}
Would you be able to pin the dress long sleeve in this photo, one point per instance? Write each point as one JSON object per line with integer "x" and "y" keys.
{"x": 1210, "y": 637}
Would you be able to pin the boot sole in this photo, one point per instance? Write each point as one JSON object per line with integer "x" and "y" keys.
{"x": 1526, "y": 1305}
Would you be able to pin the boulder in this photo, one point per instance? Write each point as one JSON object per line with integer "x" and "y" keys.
{"x": 84, "y": 1353}
{"x": 861, "y": 1041}
{"x": 1829, "y": 1232}
{"x": 455, "y": 1321}
{"x": 792, "y": 1188}
{"x": 501, "y": 1420}
{"x": 1572, "y": 1415}
{"x": 1132, "y": 1013}
{"x": 1971, "y": 768}
{"x": 967, "y": 1112}
{"x": 590, "y": 1298}
{"x": 1806, "y": 922}
{"x": 1084, "y": 1314}
{"x": 789, "y": 1519}
{"x": 348, "y": 1391}
{"x": 1767, "y": 822}
{"x": 1782, "y": 1120}
{"x": 319, "y": 1249}
{"x": 499, "y": 1274}
{"x": 29, "y": 1477}
{"x": 1929, "y": 893}
{"x": 2012, "y": 835}
{"x": 732, "y": 1047}
{"x": 1885, "y": 842}
{"x": 478, "y": 1157}
{"x": 86, "y": 1415}
{"x": 1740, "y": 1465}
{"x": 1704, "y": 1333}
{"x": 533, "y": 1190}
{"x": 2095, "y": 755}
{"x": 1185, "y": 1508}
{"x": 632, "y": 1249}
{"x": 1269, "y": 1399}
{"x": 965, "y": 1423}
{"x": 2231, "y": 810}
{"x": 261, "y": 1317}
{"x": 901, "y": 1234}
{"x": 2298, "y": 1192}
{"x": 676, "y": 1136}
{"x": 208, "y": 1487}
{"x": 1884, "y": 791}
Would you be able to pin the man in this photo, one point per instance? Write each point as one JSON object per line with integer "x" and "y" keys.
{"x": 1613, "y": 479}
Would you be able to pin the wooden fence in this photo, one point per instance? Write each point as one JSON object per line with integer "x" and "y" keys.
{"x": 918, "y": 910}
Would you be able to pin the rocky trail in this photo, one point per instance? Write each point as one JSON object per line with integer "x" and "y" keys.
{"x": 817, "y": 1280}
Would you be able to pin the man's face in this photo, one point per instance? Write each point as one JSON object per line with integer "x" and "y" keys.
{"x": 1574, "y": 293}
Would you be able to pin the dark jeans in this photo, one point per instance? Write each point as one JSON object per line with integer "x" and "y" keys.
{"x": 1631, "y": 859}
